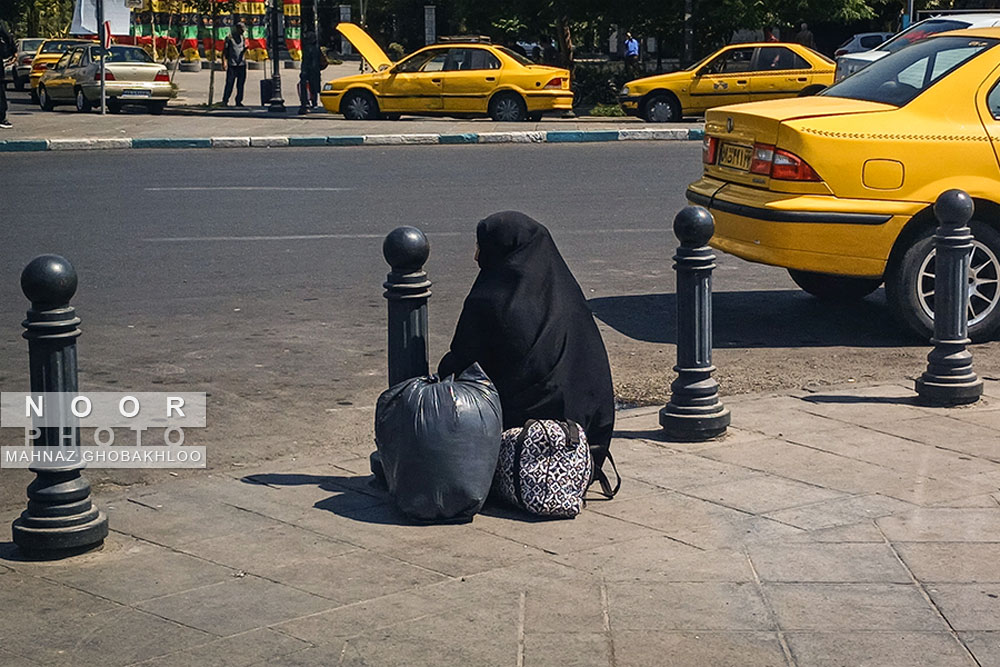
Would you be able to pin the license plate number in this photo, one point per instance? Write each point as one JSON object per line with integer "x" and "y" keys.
{"x": 136, "y": 93}
{"x": 736, "y": 157}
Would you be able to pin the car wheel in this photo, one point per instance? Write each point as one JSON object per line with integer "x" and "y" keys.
{"x": 114, "y": 105}
{"x": 43, "y": 99}
{"x": 82, "y": 103}
{"x": 535, "y": 117}
{"x": 661, "y": 109}
{"x": 508, "y": 108}
{"x": 910, "y": 284}
{"x": 156, "y": 108}
{"x": 834, "y": 288}
{"x": 359, "y": 105}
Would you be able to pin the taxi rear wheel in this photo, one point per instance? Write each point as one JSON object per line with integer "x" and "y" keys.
{"x": 834, "y": 288}
{"x": 910, "y": 279}
{"x": 661, "y": 108}
{"x": 44, "y": 101}
{"x": 508, "y": 108}
{"x": 82, "y": 103}
{"x": 359, "y": 105}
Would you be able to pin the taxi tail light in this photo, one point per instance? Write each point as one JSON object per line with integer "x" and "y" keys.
{"x": 26, "y": 60}
{"x": 790, "y": 167}
{"x": 39, "y": 67}
{"x": 108, "y": 76}
{"x": 162, "y": 76}
{"x": 709, "y": 148}
{"x": 763, "y": 156}
{"x": 555, "y": 83}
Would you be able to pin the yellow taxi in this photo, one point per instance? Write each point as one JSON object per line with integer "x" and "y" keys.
{"x": 458, "y": 77}
{"x": 839, "y": 188}
{"x": 736, "y": 73}
{"x": 49, "y": 53}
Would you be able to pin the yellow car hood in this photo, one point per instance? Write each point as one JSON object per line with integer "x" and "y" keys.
{"x": 365, "y": 45}
{"x": 798, "y": 107}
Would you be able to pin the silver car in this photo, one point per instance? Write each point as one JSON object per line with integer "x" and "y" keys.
{"x": 131, "y": 77}
{"x": 21, "y": 69}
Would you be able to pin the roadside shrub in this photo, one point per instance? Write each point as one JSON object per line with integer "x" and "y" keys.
{"x": 597, "y": 83}
{"x": 608, "y": 110}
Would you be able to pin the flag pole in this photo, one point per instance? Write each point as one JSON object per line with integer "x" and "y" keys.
{"x": 101, "y": 36}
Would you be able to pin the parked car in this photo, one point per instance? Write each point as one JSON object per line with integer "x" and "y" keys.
{"x": 26, "y": 49}
{"x": 863, "y": 41}
{"x": 49, "y": 53}
{"x": 733, "y": 74}
{"x": 839, "y": 188}
{"x": 464, "y": 77}
{"x": 131, "y": 77}
{"x": 851, "y": 63}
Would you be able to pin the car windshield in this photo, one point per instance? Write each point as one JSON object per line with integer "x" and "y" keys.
{"x": 59, "y": 45}
{"x": 30, "y": 45}
{"x": 516, "y": 56}
{"x": 921, "y": 31}
{"x": 900, "y": 77}
{"x": 123, "y": 54}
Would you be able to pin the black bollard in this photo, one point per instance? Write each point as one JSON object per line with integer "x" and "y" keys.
{"x": 60, "y": 519}
{"x": 407, "y": 289}
{"x": 949, "y": 378}
{"x": 694, "y": 412}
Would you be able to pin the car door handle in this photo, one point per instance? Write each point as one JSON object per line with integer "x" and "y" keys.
{"x": 491, "y": 78}
{"x": 803, "y": 79}
{"x": 435, "y": 80}
{"x": 741, "y": 82}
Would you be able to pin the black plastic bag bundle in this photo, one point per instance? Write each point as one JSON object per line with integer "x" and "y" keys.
{"x": 438, "y": 441}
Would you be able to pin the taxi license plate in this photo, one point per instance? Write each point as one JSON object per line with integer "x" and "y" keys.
{"x": 736, "y": 157}
{"x": 136, "y": 92}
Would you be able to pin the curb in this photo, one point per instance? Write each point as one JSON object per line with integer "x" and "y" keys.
{"x": 531, "y": 137}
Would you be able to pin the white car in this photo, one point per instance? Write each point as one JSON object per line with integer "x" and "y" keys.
{"x": 863, "y": 41}
{"x": 851, "y": 63}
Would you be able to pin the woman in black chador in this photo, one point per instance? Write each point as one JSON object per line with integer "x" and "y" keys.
{"x": 528, "y": 325}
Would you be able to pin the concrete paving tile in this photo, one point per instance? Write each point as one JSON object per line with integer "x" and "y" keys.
{"x": 763, "y": 493}
{"x": 236, "y": 606}
{"x": 834, "y": 607}
{"x": 895, "y": 405}
{"x": 631, "y": 450}
{"x": 957, "y": 562}
{"x": 940, "y": 431}
{"x": 139, "y": 571}
{"x": 858, "y": 563}
{"x": 354, "y": 576}
{"x": 943, "y": 525}
{"x": 968, "y": 606}
{"x": 265, "y": 549}
{"x": 252, "y": 647}
{"x": 554, "y": 607}
{"x": 591, "y": 528}
{"x": 984, "y": 645}
{"x": 679, "y": 471}
{"x": 645, "y": 648}
{"x": 687, "y": 606}
{"x": 779, "y": 417}
{"x": 8, "y": 659}
{"x": 631, "y": 488}
{"x": 660, "y": 558}
{"x": 567, "y": 649}
{"x": 840, "y": 511}
{"x": 876, "y": 649}
{"x": 924, "y": 491}
{"x": 120, "y": 637}
{"x": 863, "y": 531}
{"x": 984, "y": 501}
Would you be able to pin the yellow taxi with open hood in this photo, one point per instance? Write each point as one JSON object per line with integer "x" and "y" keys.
{"x": 455, "y": 77}
{"x": 839, "y": 188}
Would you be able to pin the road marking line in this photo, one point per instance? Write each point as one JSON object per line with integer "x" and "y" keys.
{"x": 245, "y": 188}
{"x": 314, "y": 237}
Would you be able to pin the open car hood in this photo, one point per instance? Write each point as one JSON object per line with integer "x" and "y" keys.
{"x": 365, "y": 45}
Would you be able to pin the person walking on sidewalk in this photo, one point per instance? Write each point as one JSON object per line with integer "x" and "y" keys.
{"x": 234, "y": 61}
{"x": 312, "y": 65}
{"x": 631, "y": 56}
{"x": 7, "y": 50}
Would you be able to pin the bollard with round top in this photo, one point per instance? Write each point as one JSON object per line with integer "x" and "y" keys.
{"x": 694, "y": 412}
{"x": 949, "y": 378}
{"x": 60, "y": 519}
{"x": 407, "y": 290}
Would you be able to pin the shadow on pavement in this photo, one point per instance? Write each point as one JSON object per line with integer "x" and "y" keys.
{"x": 760, "y": 318}
{"x": 824, "y": 399}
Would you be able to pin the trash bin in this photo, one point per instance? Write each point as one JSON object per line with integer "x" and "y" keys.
{"x": 266, "y": 91}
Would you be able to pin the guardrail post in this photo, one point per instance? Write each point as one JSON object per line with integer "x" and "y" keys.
{"x": 60, "y": 519}
{"x": 949, "y": 378}
{"x": 694, "y": 412}
{"x": 407, "y": 290}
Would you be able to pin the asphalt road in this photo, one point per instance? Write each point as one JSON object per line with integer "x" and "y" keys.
{"x": 256, "y": 275}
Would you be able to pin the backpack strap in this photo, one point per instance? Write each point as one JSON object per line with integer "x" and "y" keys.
{"x": 605, "y": 483}
{"x": 518, "y": 449}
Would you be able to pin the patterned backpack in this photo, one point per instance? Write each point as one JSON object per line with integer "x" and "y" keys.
{"x": 544, "y": 468}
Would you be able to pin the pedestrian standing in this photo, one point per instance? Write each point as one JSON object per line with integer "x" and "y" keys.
{"x": 7, "y": 50}
{"x": 631, "y": 55}
{"x": 312, "y": 65}
{"x": 805, "y": 36}
{"x": 234, "y": 61}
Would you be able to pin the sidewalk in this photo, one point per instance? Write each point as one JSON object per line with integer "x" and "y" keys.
{"x": 845, "y": 528}
{"x": 187, "y": 123}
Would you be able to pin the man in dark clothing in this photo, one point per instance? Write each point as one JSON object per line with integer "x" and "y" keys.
{"x": 805, "y": 37}
{"x": 309, "y": 74}
{"x": 7, "y": 50}
{"x": 234, "y": 61}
